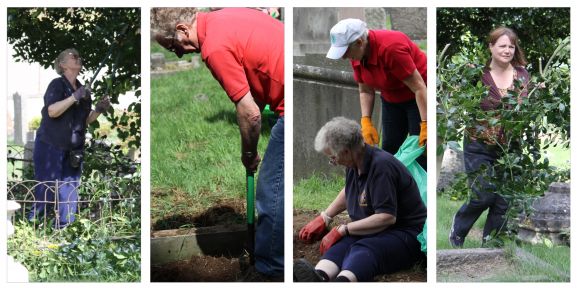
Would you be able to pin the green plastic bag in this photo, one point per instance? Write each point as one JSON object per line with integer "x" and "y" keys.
{"x": 408, "y": 154}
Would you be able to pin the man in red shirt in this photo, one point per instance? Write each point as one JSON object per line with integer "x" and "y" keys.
{"x": 390, "y": 62}
{"x": 244, "y": 50}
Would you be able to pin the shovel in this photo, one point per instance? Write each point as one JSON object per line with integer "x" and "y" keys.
{"x": 250, "y": 214}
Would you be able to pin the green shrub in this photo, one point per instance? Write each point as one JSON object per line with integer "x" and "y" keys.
{"x": 532, "y": 125}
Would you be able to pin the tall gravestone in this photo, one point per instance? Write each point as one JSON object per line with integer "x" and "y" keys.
{"x": 18, "y": 120}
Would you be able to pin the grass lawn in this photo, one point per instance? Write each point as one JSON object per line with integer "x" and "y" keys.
{"x": 317, "y": 191}
{"x": 195, "y": 145}
{"x": 557, "y": 258}
{"x": 445, "y": 211}
{"x": 559, "y": 157}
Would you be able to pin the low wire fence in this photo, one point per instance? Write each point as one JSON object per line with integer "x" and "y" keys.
{"x": 108, "y": 206}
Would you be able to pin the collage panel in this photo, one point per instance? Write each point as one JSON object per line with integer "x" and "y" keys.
{"x": 73, "y": 144}
{"x": 503, "y": 123}
{"x": 359, "y": 164}
{"x": 209, "y": 88}
{"x": 217, "y": 144}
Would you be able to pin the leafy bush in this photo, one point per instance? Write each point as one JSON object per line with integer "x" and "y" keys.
{"x": 531, "y": 125}
{"x": 34, "y": 123}
{"x": 103, "y": 244}
{"x": 75, "y": 254}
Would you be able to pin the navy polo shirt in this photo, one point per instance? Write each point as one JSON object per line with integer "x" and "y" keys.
{"x": 385, "y": 186}
{"x": 67, "y": 130}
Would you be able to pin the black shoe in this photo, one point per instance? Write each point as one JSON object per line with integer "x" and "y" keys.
{"x": 303, "y": 271}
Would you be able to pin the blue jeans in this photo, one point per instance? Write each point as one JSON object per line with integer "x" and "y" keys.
{"x": 52, "y": 164}
{"x": 269, "y": 243}
{"x": 399, "y": 121}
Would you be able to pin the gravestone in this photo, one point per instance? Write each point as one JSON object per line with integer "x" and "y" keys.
{"x": 549, "y": 218}
{"x": 18, "y": 120}
{"x": 157, "y": 61}
{"x": 452, "y": 163}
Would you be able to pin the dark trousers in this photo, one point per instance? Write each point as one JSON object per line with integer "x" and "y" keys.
{"x": 399, "y": 121}
{"x": 382, "y": 253}
{"x": 478, "y": 155}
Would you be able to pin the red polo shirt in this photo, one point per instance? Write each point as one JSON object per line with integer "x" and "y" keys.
{"x": 244, "y": 50}
{"x": 393, "y": 57}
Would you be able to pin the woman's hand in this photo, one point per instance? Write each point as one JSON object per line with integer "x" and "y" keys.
{"x": 330, "y": 239}
{"x": 314, "y": 230}
{"x": 102, "y": 105}
{"x": 80, "y": 93}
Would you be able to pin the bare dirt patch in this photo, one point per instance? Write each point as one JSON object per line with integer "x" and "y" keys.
{"x": 201, "y": 268}
{"x": 198, "y": 269}
{"x": 470, "y": 265}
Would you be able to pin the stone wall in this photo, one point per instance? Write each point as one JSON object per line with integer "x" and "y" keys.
{"x": 311, "y": 26}
{"x": 320, "y": 94}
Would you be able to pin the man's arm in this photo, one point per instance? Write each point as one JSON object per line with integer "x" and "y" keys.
{"x": 416, "y": 83}
{"x": 249, "y": 122}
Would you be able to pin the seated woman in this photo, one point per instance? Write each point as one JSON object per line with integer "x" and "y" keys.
{"x": 384, "y": 206}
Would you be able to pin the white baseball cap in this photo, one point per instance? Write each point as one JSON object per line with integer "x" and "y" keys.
{"x": 344, "y": 33}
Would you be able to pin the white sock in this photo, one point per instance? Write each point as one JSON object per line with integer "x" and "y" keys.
{"x": 349, "y": 275}
{"x": 328, "y": 267}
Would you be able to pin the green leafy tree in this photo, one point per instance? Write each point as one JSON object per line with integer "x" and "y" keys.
{"x": 537, "y": 28}
{"x": 38, "y": 35}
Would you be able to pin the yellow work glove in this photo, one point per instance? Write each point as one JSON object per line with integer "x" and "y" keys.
{"x": 369, "y": 132}
{"x": 423, "y": 134}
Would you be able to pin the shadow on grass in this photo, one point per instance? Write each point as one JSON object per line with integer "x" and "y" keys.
{"x": 229, "y": 116}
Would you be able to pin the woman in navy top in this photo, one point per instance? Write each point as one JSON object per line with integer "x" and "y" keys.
{"x": 384, "y": 205}
{"x": 59, "y": 144}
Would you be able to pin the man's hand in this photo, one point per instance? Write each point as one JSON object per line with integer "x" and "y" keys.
{"x": 314, "y": 230}
{"x": 330, "y": 239}
{"x": 423, "y": 134}
{"x": 370, "y": 134}
{"x": 102, "y": 105}
{"x": 250, "y": 160}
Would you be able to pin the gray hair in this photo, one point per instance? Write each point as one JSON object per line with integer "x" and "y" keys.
{"x": 62, "y": 57}
{"x": 338, "y": 134}
{"x": 163, "y": 20}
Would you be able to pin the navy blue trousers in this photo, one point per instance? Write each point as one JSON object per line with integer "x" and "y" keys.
{"x": 51, "y": 164}
{"x": 382, "y": 253}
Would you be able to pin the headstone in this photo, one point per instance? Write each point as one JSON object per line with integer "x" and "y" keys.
{"x": 549, "y": 218}
{"x": 18, "y": 120}
{"x": 157, "y": 61}
{"x": 411, "y": 21}
{"x": 452, "y": 163}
